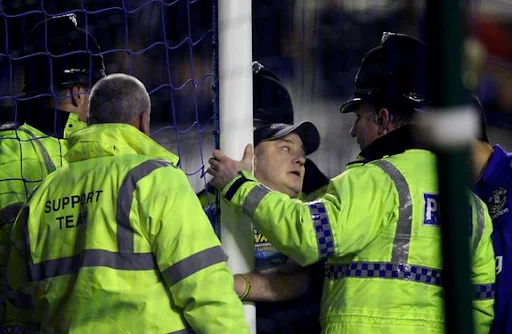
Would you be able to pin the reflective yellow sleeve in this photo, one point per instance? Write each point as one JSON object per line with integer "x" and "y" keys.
{"x": 483, "y": 270}
{"x": 343, "y": 220}
{"x": 20, "y": 308}
{"x": 189, "y": 254}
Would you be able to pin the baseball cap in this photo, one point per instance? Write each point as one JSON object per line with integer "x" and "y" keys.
{"x": 271, "y": 100}
{"x": 307, "y": 132}
{"x": 393, "y": 73}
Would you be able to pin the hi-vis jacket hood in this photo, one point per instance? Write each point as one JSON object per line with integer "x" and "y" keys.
{"x": 114, "y": 139}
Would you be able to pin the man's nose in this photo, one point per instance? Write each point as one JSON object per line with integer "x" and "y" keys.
{"x": 300, "y": 159}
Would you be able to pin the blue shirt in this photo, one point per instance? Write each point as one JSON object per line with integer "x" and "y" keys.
{"x": 495, "y": 189}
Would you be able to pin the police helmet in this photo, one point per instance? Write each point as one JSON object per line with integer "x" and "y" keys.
{"x": 60, "y": 54}
{"x": 271, "y": 100}
{"x": 392, "y": 74}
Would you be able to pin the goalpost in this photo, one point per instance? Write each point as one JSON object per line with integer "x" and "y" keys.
{"x": 236, "y": 125}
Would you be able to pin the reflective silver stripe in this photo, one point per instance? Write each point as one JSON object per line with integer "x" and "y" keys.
{"x": 480, "y": 221}
{"x": 402, "y": 240}
{"x": 125, "y": 235}
{"x": 8, "y": 214}
{"x": 19, "y": 300}
{"x": 322, "y": 228}
{"x": 184, "y": 331}
{"x": 253, "y": 199}
{"x": 192, "y": 264}
{"x": 483, "y": 291}
{"x": 91, "y": 258}
{"x": 400, "y": 271}
{"x": 50, "y": 166}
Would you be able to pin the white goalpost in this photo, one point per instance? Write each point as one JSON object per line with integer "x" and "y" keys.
{"x": 236, "y": 126}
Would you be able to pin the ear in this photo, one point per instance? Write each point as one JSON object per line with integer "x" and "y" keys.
{"x": 144, "y": 122}
{"x": 255, "y": 161}
{"x": 77, "y": 96}
{"x": 383, "y": 120}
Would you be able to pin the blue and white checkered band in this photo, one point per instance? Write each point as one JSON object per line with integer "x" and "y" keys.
{"x": 389, "y": 270}
{"x": 322, "y": 228}
{"x": 483, "y": 291}
{"x": 401, "y": 271}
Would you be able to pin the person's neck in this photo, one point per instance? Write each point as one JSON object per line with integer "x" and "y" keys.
{"x": 62, "y": 106}
{"x": 482, "y": 152}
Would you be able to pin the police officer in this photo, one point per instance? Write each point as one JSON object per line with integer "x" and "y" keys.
{"x": 117, "y": 241}
{"x": 493, "y": 172}
{"x": 378, "y": 223}
{"x": 51, "y": 107}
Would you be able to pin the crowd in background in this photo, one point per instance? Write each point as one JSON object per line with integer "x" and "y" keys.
{"x": 314, "y": 46}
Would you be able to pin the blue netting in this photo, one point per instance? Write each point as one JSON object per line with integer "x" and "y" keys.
{"x": 167, "y": 44}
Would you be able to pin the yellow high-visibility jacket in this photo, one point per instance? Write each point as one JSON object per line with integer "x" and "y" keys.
{"x": 378, "y": 227}
{"x": 27, "y": 156}
{"x": 116, "y": 242}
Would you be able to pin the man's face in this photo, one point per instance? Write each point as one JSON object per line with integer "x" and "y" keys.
{"x": 279, "y": 164}
{"x": 365, "y": 128}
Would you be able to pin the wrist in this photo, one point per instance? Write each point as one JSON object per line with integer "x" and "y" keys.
{"x": 244, "y": 286}
{"x": 240, "y": 284}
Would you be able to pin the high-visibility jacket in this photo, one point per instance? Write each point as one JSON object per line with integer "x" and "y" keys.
{"x": 27, "y": 156}
{"x": 116, "y": 242}
{"x": 378, "y": 228}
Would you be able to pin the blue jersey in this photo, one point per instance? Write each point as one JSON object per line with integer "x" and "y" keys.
{"x": 495, "y": 189}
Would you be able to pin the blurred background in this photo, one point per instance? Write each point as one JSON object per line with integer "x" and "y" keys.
{"x": 314, "y": 46}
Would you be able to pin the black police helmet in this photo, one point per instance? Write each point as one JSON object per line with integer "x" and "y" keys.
{"x": 271, "y": 100}
{"x": 392, "y": 74}
{"x": 71, "y": 56}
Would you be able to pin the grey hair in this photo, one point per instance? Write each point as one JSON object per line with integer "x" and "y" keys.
{"x": 117, "y": 98}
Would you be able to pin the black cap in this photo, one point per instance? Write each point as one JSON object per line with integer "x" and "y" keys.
{"x": 75, "y": 56}
{"x": 393, "y": 73}
{"x": 271, "y": 100}
{"x": 307, "y": 132}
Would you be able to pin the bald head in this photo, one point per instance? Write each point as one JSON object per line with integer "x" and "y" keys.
{"x": 120, "y": 98}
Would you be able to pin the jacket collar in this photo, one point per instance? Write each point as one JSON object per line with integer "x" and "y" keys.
{"x": 395, "y": 142}
{"x": 111, "y": 139}
{"x": 52, "y": 122}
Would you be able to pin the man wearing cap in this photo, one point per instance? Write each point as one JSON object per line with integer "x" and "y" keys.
{"x": 272, "y": 104}
{"x": 280, "y": 155}
{"x": 377, "y": 226}
{"x": 277, "y": 278}
{"x": 51, "y": 107}
{"x": 493, "y": 173}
